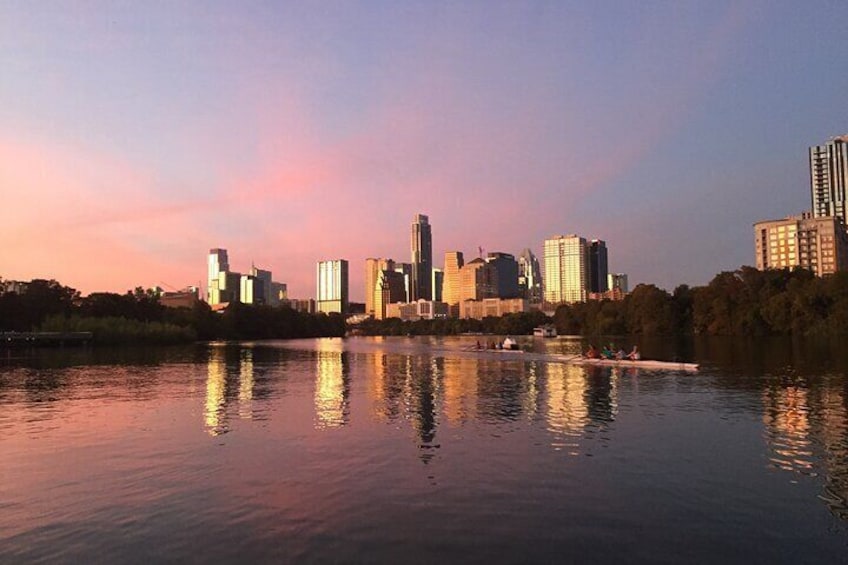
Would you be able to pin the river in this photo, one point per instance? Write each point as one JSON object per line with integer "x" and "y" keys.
{"x": 413, "y": 450}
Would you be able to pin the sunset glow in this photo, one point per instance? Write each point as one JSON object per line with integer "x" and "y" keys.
{"x": 134, "y": 138}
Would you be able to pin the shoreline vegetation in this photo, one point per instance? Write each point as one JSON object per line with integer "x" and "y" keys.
{"x": 745, "y": 302}
{"x": 137, "y": 317}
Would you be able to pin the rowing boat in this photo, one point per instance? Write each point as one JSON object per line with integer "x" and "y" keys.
{"x": 585, "y": 361}
{"x": 625, "y": 363}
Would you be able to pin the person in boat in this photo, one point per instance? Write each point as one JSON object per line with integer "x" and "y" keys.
{"x": 592, "y": 352}
{"x": 607, "y": 353}
{"x": 634, "y": 354}
{"x": 620, "y": 354}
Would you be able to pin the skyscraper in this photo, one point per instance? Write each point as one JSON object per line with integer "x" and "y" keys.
{"x": 266, "y": 285}
{"x": 373, "y": 268}
{"x": 506, "y": 274}
{"x": 252, "y": 290}
{"x": 598, "y": 266}
{"x": 217, "y": 263}
{"x": 223, "y": 285}
{"x": 529, "y": 276}
{"x": 450, "y": 287}
{"x": 333, "y": 286}
{"x": 566, "y": 269}
{"x": 391, "y": 288}
{"x": 829, "y": 177}
{"x": 422, "y": 259}
{"x": 438, "y": 284}
{"x": 406, "y": 270}
{"x": 477, "y": 280}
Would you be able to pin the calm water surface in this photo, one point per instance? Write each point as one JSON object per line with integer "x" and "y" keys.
{"x": 402, "y": 450}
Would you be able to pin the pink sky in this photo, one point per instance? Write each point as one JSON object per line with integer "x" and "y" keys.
{"x": 132, "y": 142}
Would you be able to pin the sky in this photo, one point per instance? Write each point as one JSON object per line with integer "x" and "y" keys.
{"x": 135, "y": 136}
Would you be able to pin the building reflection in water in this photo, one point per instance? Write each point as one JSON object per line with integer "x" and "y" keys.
{"x": 834, "y": 437}
{"x": 459, "y": 399}
{"x": 422, "y": 404}
{"x": 408, "y": 387}
{"x": 332, "y": 385}
{"x": 246, "y": 382}
{"x": 567, "y": 413}
{"x": 787, "y": 419}
{"x": 219, "y": 386}
{"x": 391, "y": 380}
{"x": 377, "y": 386}
{"x": 602, "y": 393}
{"x": 214, "y": 413}
{"x": 579, "y": 399}
{"x": 500, "y": 390}
{"x": 807, "y": 428}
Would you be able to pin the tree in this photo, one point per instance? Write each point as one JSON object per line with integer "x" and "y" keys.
{"x": 649, "y": 311}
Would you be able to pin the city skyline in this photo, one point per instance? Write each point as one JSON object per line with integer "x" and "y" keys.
{"x": 135, "y": 139}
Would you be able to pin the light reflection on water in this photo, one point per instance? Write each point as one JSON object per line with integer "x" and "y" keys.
{"x": 216, "y": 382}
{"x": 332, "y": 388}
{"x": 807, "y": 433}
{"x": 381, "y": 449}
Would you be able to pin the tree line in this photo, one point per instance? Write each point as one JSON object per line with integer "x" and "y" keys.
{"x": 741, "y": 302}
{"x": 138, "y": 317}
{"x": 734, "y": 303}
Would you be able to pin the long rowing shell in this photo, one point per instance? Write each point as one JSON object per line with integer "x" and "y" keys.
{"x": 640, "y": 364}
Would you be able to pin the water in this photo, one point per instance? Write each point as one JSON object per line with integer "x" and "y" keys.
{"x": 413, "y": 450}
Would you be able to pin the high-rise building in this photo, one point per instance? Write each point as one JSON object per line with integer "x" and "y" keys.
{"x": 566, "y": 269}
{"x": 438, "y": 284}
{"x": 391, "y": 289}
{"x": 217, "y": 262}
{"x": 817, "y": 244}
{"x": 373, "y": 268}
{"x": 252, "y": 290}
{"x": 506, "y": 274}
{"x": 477, "y": 280}
{"x": 279, "y": 293}
{"x": 529, "y": 277}
{"x": 406, "y": 270}
{"x": 223, "y": 285}
{"x": 451, "y": 285}
{"x": 332, "y": 286}
{"x": 829, "y": 178}
{"x": 598, "y": 266}
{"x": 264, "y": 278}
{"x": 422, "y": 259}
